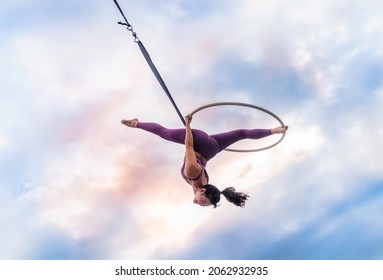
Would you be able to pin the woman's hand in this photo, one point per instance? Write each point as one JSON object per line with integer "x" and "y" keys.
{"x": 188, "y": 119}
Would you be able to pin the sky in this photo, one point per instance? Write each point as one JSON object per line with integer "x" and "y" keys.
{"x": 76, "y": 184}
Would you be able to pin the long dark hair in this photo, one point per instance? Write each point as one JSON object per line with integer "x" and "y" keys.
{"x": 214, "y": 195}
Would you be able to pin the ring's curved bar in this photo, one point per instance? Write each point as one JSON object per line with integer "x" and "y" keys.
{"x": 250, "y": 106}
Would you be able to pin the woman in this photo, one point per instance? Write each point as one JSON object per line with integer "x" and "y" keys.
{"x": 199, "y": 149}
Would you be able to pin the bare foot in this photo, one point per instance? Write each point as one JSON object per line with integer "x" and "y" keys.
{"x": 130, "y": 123}
{"x": 280, "y": 129}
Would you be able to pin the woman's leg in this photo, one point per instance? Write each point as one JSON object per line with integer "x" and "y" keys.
{"x": 203, "y": 143}
{"x": 226, "y": 139}
{"x": 173, "y": 135}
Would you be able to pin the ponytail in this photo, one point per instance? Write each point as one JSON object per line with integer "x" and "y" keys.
{"x": 214, "y": 195}
{"x": 237, "y": 198}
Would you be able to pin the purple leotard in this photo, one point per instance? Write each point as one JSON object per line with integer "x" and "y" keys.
{"x": 206, "y": 145}
{"x": 201, "y": 163}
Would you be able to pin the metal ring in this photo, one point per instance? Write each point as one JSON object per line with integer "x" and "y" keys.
{"x": 250, "y": 106}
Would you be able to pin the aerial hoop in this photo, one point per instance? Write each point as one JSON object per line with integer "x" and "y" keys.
{"x": 250, "y": 106}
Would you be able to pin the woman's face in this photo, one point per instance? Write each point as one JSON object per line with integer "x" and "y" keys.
{"x": 200, "y": 198}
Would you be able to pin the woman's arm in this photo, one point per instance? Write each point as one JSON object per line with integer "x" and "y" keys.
{"x": 192, "y": 168}
{"x": 189, "y": 134}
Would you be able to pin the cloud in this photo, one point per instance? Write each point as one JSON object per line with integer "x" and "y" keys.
{"x": 76, "y": 177}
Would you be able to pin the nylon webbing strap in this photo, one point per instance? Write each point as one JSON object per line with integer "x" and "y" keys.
{"x": 149, "y": 61}
{"x": 159, "y": 79}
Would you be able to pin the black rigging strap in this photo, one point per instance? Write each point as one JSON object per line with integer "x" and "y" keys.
{"x": 149, "y": 61}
